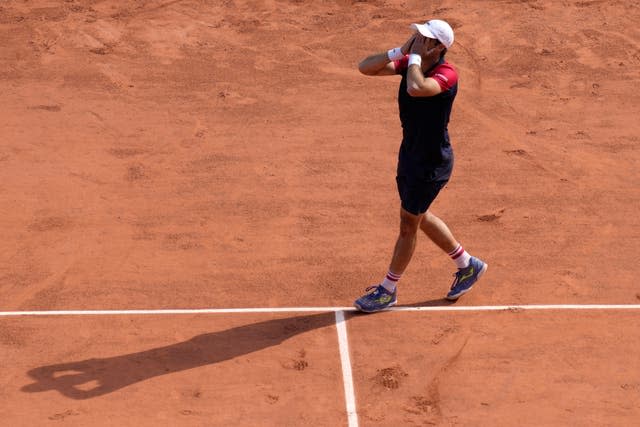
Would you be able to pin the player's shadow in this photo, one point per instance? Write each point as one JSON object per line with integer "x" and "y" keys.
{"x": 441, "y": 302}
{"x": 90, "y": 378}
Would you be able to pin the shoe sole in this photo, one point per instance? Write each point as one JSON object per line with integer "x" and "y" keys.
{"x": 391, "y": 304}
{"x": 458, "y": 295}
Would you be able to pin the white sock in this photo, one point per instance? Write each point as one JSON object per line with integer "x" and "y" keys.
{"x": 390, "y": 281}
{"x": 460, "y": 257}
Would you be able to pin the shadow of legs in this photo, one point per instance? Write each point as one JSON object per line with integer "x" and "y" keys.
{"x": 95, "y": 377}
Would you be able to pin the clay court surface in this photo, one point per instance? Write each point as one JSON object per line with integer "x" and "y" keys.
{"x": 227, "y": 154}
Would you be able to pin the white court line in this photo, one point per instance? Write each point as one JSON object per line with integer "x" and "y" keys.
{"x": 176, "y": 311}
{"x": 347, "y": 376}
{"x": 320, "y": 309}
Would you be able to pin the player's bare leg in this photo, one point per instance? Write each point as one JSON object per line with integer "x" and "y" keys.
{"x": 406, "y": 242}
{"x": 438, "y": 232}
{"x": 469, "y": 268}
{"x": 384, "y": 295}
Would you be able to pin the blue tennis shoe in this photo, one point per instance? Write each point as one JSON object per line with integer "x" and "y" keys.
{"x": 466, "y": 277}
{"x": 376, "y": 299}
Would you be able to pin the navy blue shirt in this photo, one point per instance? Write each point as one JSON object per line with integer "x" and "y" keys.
{"x": 425, "y": 153}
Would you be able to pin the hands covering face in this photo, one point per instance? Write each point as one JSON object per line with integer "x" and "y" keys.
{"x": 406, "y": 47}
{"x": 429, "y": 49}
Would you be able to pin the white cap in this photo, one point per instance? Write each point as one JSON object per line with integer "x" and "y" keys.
{"x": 436, "y": 29}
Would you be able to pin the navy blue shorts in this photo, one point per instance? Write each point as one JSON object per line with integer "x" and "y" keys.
{"x": 417, "y": 196}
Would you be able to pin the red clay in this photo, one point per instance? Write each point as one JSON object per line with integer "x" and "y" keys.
{"x": 187, "y": 154}
{"x": 494, "y": 369}
{"x": 185, "y": 370}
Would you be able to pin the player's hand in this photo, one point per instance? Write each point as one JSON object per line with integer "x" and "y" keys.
{"x": 432, "y": 55}
{"x": 429, "y": 56}
{"x": 418, "y": 44}
{"x": 406, "y": 47}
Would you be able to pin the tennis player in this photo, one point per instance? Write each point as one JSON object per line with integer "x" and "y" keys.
{"x": 425, "y": 161}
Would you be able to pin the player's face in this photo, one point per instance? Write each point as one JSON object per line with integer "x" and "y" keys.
{"x": 431, "y": 43}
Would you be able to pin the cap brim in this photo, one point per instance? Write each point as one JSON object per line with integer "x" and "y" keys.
{"x": 423, "y": 29}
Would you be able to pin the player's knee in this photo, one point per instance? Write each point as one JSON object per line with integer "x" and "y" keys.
{"x": 429, "y": 216}
{"x": 430, "y": 220}
{"x": 408, "y": 227}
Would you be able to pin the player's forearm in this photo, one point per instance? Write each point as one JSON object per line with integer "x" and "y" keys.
{"x": 418, "y": 85}
{"x": 415, "y": 79}
{"x": 373, "y": 64}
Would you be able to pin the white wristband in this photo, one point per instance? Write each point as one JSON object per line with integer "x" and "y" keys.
{"x": 414, "y": 58}
{"x": 395, "y": 54}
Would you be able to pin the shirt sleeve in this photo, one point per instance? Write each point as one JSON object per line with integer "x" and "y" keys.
{"x": 445, "y": 75}
{"x": 402, "y": 64}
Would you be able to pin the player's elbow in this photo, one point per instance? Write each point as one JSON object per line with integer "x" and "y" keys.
{"x": 427, "y": 87}
{"x": 426, "y": 90}
{"x": 365, "y": 69}
{"x": 414, "y": 90}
